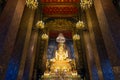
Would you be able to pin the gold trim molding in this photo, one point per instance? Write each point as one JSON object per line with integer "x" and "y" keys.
{"x": 60, "y": 24}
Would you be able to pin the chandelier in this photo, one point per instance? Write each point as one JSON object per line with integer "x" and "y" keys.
{"x": 80, "y": 25}
{"x": 40, "y": 24}
{"x": 44, "y": 36}
{"x": 32, "y": 4}
{"x": 76, "y": 37}
{"x": 85, "y": 4}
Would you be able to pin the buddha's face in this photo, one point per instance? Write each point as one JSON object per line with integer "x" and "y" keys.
{"x": 61, "y": 48}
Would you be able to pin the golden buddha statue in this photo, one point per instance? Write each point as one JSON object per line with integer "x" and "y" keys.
{"x": 61, "y": 65}
{"x": 61, "y": 61}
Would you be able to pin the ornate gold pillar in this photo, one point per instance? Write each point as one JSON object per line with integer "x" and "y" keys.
{"x": 26, "y": 25}
{"x": 30, "y": 59}
{"x": 90, "y": 48}
{"x": 92, "y": 22}
{"x": 106, "y": 9}
{"x": 29, "y": 50}
{"x": 109, "y": 22}
{"x": 89, "y": 54}
{"x": 9, "y": 25}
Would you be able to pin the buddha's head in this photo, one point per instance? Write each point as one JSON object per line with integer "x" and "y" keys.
{"x": 60, "y": 38}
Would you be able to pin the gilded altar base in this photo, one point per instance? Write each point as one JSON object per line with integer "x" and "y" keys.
{"x": 61, "y": 70}
{"x": 71, "y": 75}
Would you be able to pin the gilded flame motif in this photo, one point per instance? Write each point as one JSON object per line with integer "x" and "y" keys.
{"x": 60, "y": 24}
